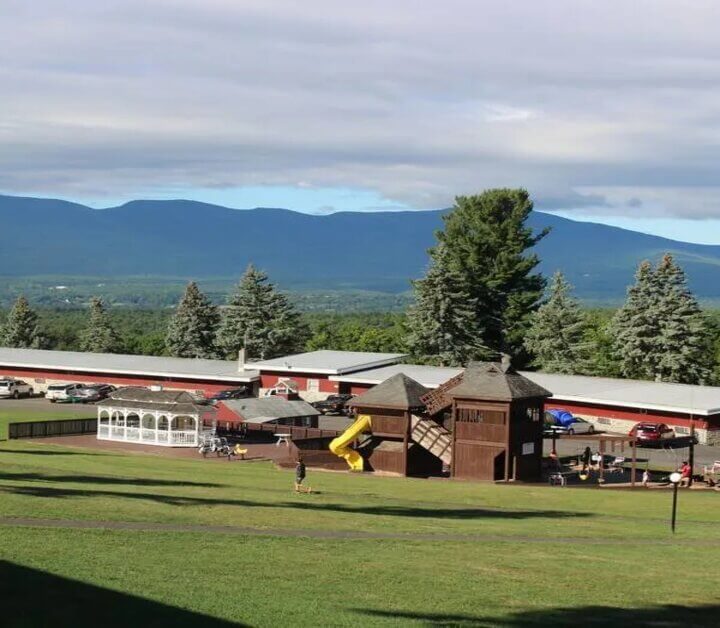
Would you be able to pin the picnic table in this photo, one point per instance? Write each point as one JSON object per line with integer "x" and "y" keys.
{"x": 283, "y": 438}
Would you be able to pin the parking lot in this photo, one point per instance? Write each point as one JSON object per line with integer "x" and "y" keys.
{"x": 704, "y": 454}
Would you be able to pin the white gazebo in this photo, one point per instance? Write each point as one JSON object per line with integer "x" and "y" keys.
{"x": 151, "y": 417}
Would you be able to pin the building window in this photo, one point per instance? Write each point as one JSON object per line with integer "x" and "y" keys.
{"x": 313, "y": 385}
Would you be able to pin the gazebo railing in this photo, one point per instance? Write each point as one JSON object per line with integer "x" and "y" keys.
{"x": 183, "y": 438}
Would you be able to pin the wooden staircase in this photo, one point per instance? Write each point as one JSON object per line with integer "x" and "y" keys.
{"x": 431, "y": 436}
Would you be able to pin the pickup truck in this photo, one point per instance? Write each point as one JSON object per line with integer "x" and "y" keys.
{"x": 334, "y": 403}
{"x": 15, "y": 388}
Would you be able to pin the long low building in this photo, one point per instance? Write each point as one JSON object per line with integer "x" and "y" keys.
{"x": 612, "y": 404}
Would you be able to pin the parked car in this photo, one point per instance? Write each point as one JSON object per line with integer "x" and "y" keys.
{"x": 90, "y": 393}
{"x": 651, "y": 433}
{"x": 61, "y": 392}
{"x": 334, "y": 403}
{"x": 15, "y": 388}
{"x": 233, "y": 393}
{"x": 577, "y": 426}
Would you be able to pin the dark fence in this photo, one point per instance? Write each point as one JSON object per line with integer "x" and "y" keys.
{"x": 46, "y": 429}
{"x": 296, "y": 433}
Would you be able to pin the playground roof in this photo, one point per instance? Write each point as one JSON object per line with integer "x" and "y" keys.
{"x": 399, "y": 391}
{"x": 493, "y": 380}
{"x": 328, "y": 362}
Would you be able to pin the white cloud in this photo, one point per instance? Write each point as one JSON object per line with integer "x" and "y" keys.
{"x": 416, "y": 101}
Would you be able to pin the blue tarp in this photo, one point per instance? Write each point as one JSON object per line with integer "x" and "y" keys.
{"x": 561, "y": 417}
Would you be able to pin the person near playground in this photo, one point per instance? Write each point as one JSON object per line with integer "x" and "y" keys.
{"x": 585, "y": 458}
{"x": 300, "y": 477}
{"x": 646, "y": 478}
{"x": 685, "y": 474}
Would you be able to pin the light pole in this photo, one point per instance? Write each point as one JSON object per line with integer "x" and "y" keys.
{"x": 675, "y": 479}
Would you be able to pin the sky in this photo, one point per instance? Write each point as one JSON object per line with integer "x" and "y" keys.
{"x": 605, "y": 111}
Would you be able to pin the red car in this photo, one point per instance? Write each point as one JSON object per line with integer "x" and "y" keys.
{"x": 651, "y": 432}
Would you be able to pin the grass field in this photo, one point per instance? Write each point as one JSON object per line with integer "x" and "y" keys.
{"x": 174, "y": 542}
{"x": 10, "y": 412}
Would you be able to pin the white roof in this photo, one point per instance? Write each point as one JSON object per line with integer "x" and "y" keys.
{"x": 120, "y": 364}
{"x": 328, "y": 362}
{"x": 685, "y": 398}
{"x": 428, "y": 376}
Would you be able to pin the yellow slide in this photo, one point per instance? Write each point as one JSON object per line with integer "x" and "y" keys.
{"x": 341, "y": 445}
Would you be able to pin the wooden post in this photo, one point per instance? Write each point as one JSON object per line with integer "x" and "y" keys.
{"x": 691, "y": 458}
{"x": 602, "y": 460}
{"x": 634, "y": 463}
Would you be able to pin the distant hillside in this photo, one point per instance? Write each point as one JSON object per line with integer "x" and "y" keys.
{"x": 360, "y": 251}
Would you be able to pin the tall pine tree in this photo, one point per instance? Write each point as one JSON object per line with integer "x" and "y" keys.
{"x": 21, "y": 327}
{"x": 442, "y": 326}
{"x": 660, "y": 332}
{"x": 635, "y": 328}
{"x": 192, "y": 329}
{"x": 484, "y": 248}
{"x": 100, "y": 335}
{"x": 260, "y": 319}
{"x": 558, "y": 335}
{"x": 685, "y": 342}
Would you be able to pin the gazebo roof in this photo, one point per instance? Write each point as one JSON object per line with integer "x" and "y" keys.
{"x": 398, "y": 391}
{"x": 138, "y": 398}
{"x": 496, "y": 381}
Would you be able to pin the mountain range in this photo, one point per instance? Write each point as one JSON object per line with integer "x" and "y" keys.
{"x": 345, "y": 250}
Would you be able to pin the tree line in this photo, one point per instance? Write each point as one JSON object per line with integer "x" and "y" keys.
{"x": 480, "y": 297}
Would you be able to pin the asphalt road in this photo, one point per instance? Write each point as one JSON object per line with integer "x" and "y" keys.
{"x": 704, "y": 454}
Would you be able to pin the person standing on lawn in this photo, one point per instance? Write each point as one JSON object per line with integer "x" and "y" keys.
{"x": 300, "y": 477}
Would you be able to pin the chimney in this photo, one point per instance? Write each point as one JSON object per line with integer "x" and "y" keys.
{"x": 241, "y": 360}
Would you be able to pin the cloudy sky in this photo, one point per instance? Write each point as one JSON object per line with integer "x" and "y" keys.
{"x": 607, "y": 111}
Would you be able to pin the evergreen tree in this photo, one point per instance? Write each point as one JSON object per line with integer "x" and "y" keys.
{"x": 100, "y": 335}
{"x": 558, "y": 335}
{"x": 192, "y": 329}
{"x": 635, "y": 328}
{"x": 660, "y": 333}
{"x": 261, "y": 320}
{"x": 443, "y": 326}
{"x": 685, "y": 343}
{"x": 483, "y": 251}
{"x": 21, "y": 327}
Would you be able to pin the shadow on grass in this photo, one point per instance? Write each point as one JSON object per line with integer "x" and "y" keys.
{"x": 29, "y": 597}
{"x": 389, "y": 511}
{"x": 49, "y": 452}
{"x": 100, "y": 479}
{"x": 667, "y": 616}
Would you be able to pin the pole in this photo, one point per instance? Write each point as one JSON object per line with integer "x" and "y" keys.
{"x": 634, "y": 463}
{"x": 674, "y": 506}
{"x": 691, "y": 457}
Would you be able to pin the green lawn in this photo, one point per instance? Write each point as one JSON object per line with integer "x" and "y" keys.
{"x": 32, "y": 413}
{"x": 428, "y": 552}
